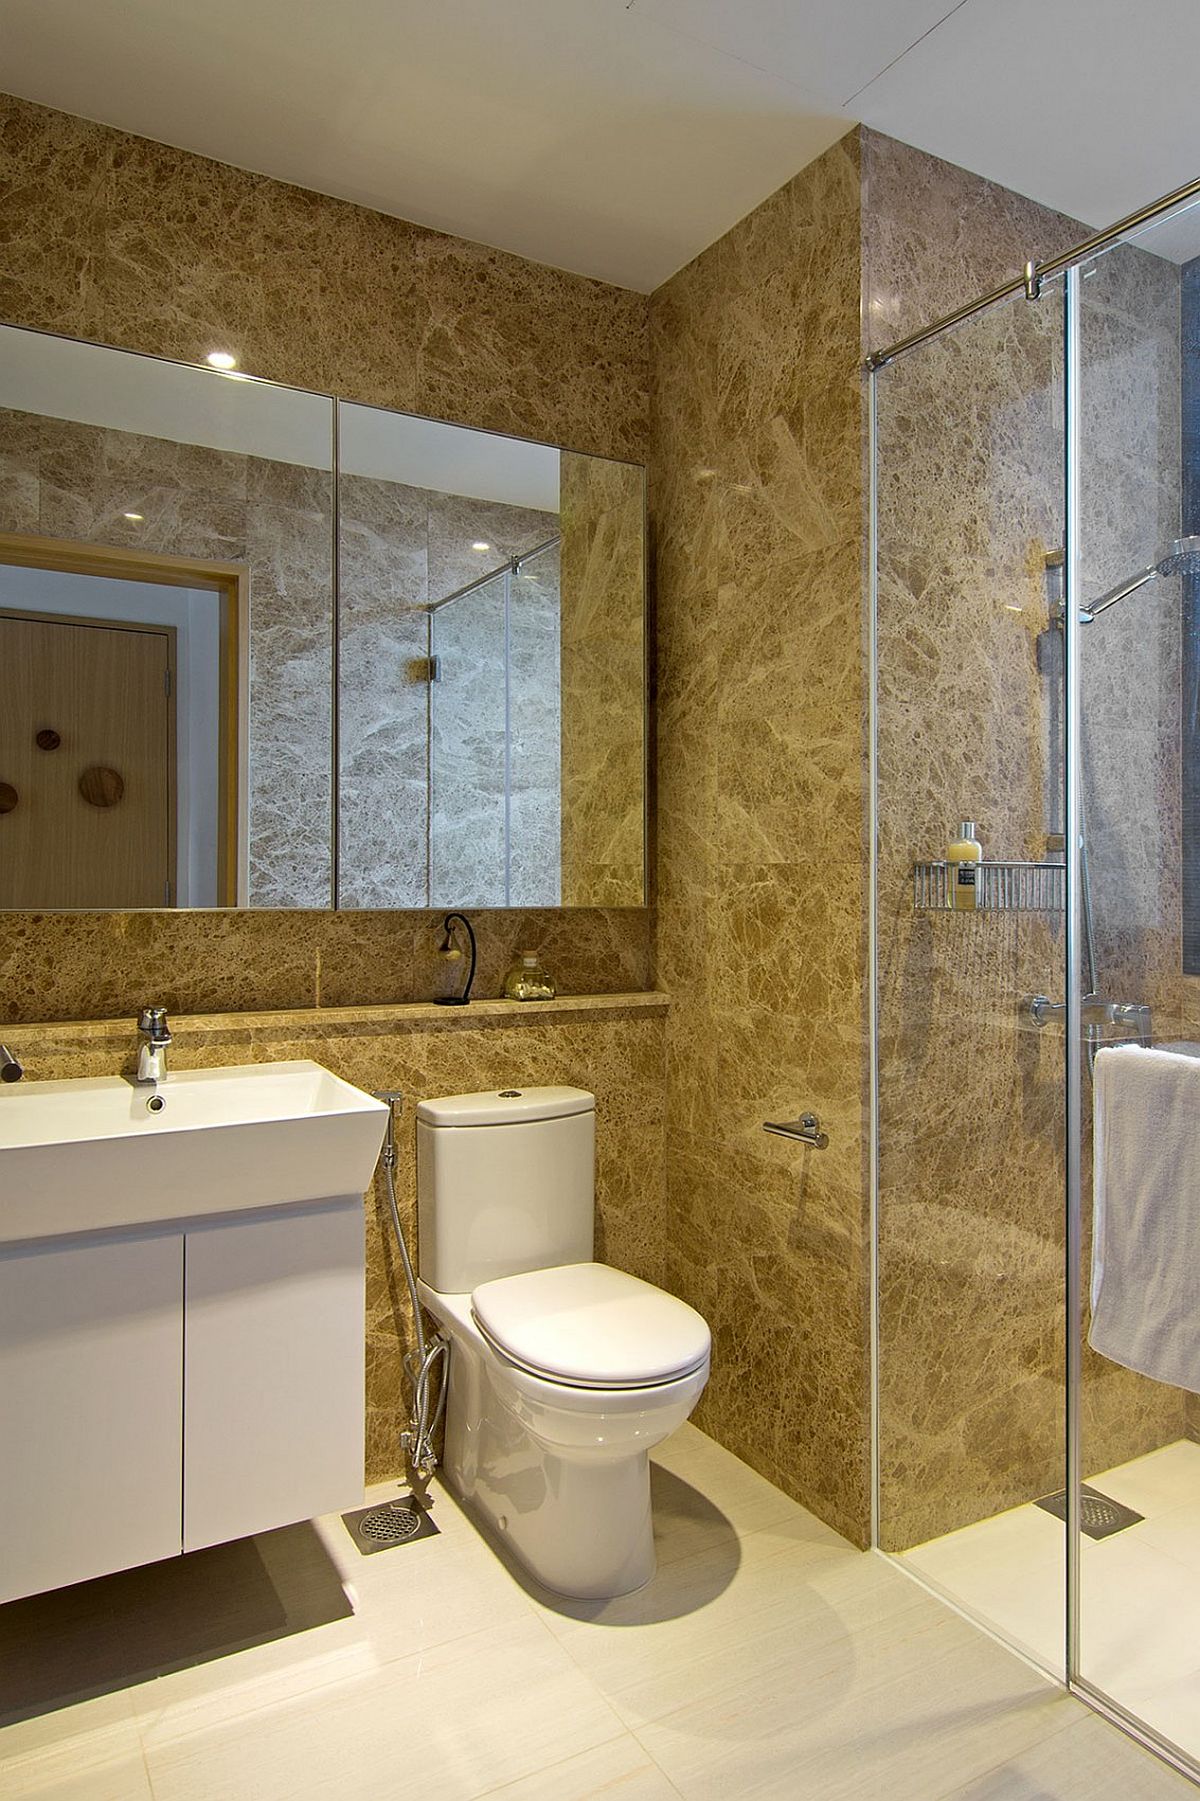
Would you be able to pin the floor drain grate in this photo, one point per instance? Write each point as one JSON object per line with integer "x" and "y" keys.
{"x": 398, "y": 1522}
{"x": 1098, "y": 1516}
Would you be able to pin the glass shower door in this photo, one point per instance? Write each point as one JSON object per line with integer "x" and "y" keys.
{"x": 1139, "y": 1415}
{"x": 971, "y": 1135}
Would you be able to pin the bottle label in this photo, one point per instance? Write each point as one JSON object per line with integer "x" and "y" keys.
{"x": 965, "y": 875}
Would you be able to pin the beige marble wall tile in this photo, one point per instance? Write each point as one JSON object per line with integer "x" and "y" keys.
{"x": 603, "y": 660}
{"x": 757, "y": 520}
{"x": 616, "y": 1050}
{"x": 107, "y": 965}
{"x": 938, "y": 237}
{"x": 52, "y": 170}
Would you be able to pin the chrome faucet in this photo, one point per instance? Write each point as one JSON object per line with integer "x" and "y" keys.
{"x": 154, "y": 1036}
{"x": 10, "y": 1069}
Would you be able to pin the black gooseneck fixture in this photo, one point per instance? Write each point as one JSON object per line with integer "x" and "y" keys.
{"x": 449, "y": 949}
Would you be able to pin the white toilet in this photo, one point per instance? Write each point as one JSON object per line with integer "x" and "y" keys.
{"x": 564, "y": 1373}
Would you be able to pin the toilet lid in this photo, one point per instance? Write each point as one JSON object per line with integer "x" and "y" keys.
{"x": 591, "y": 1326}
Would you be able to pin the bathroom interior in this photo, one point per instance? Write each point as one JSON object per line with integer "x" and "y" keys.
{"x": 726, "y": 1337}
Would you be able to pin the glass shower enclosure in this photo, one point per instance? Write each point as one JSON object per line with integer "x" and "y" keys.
{"x": 494, "y": 735}
{"x": 1036, "y": 669}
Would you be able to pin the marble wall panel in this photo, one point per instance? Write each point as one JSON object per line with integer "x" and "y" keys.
{"x": 131, "y": 243}
{"x": 603, "y": 660}
{"x": 615, "y": 1049}
{"x": 757, "y": 520}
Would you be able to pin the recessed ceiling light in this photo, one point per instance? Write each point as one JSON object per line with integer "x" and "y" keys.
{"x": 481, "y": 544}
{"x": 136, "y": 517}
{"x": 221, "y": 359}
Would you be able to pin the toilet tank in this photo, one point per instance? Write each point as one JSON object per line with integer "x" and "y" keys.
{"x": 505, "y": 1184}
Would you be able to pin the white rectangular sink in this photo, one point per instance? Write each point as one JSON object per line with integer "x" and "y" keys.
{"x": 91, "y": 1154}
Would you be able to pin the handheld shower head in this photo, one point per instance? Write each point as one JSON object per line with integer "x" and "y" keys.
{"x": 1183, "y": 558}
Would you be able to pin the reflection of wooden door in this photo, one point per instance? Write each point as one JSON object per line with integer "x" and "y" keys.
{"x": 104, "y": 691}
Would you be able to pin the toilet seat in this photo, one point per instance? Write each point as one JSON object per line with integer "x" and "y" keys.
{"x": 586, "y": 1325}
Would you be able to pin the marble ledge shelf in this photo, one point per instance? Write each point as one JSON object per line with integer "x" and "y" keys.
{"x": 298, "y": 1023}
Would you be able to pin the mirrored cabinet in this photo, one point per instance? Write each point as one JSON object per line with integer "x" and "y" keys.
{"x": 259, "y": 647}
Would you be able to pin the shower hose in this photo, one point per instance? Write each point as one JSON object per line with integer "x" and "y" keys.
{"x": 427, "y": 1359}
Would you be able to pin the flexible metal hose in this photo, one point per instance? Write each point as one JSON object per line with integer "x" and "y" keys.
{"x": 429, "y": 1354}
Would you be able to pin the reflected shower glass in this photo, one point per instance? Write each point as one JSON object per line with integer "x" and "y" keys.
{"x": 468, "y": 748}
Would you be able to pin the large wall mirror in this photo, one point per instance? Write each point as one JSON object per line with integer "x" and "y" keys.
{"x": 216, "y": 594}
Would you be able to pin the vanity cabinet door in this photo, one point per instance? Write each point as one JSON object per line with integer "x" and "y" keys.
{"x": 273, "y": 1370}
{"x": 91, "y": 1408}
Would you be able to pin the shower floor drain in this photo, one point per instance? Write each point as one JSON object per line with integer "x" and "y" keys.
{"x": 398, "y": 1522}
{"x": 1098, "y": 1516}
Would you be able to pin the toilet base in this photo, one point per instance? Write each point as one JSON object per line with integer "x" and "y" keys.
{"x": 580, "y": 1525}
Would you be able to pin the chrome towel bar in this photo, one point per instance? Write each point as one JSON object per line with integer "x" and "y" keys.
{"x": 807, "y": 1129}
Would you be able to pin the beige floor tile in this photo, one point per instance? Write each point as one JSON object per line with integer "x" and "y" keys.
{"x": 702, "y": 1493}
{"x": 719, "y": 1577}
{"x": 1140, "y": 1589}
{"x": 620, "y": 1770}
{"x": 1170, "y": 1706}
{"x": 786, "y": 1620}
{"x": 405, "y": 1599}
{"x": 1090, "y": 1760}
{"x": 879, "y": 1718}
{"x": 768, "y": 1657}
{"x": 1168, "y": 1477}
{"x": 106, "y": 1764}
{"x": 1175, "y": 1531}
{"x": 65, "y": 1725}
{"x": 454, "y": 1721}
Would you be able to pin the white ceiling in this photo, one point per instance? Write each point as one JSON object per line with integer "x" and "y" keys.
{"x": 619, "y": 137}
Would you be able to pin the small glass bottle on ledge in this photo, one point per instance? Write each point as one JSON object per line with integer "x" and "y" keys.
{"x": 527, "y": 980}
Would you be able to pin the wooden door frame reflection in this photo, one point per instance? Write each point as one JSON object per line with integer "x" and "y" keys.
{"x": 231, "y": 583}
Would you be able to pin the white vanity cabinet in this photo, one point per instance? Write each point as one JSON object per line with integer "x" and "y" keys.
{"x": 91, "y": 1407}
{"x": 163, "y": 1389}
{"x": 274, "y": 1333}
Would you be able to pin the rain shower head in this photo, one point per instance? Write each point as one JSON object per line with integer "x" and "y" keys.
{"x": 1183, "y": 558}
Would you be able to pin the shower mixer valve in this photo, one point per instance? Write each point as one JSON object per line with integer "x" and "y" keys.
{"x": 1095, "y": 1012}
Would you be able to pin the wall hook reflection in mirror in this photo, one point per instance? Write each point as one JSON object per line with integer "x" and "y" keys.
{"x": 101, "y": 787}
{"x": 450, "y": 949}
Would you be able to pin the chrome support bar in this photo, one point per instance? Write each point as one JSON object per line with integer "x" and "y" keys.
{"x": 807, "y": 1129}
{"x": 1030, "y": 280}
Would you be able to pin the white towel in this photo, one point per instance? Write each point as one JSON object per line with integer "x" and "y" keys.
{"x": 1146, "y": 1223}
